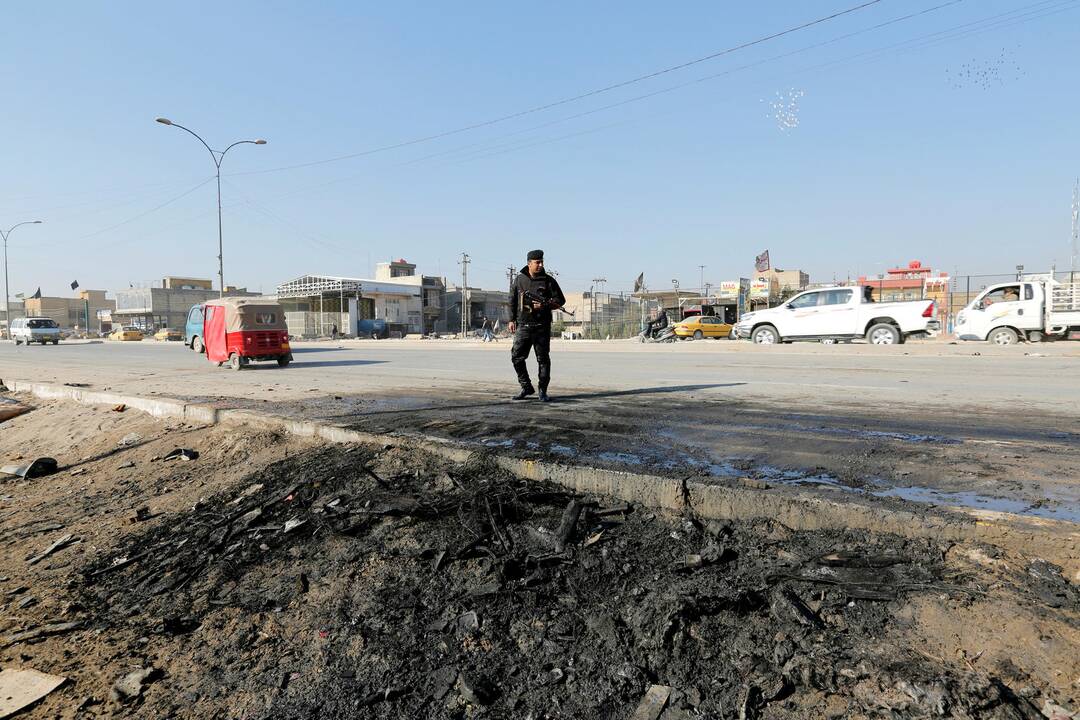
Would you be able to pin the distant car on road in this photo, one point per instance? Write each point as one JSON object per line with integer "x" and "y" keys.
{"x": 168, "y": 334}
{"x": 193, "y": 329}
{"x": 126, "y": 333}
{"x": 35, "y": 329}
{"x": 702, "y": 326}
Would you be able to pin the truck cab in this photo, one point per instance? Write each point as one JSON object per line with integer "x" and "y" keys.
{"x": 1033, "y": 308}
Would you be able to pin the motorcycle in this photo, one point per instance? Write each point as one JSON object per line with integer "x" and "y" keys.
{"x": 658, "y": 335}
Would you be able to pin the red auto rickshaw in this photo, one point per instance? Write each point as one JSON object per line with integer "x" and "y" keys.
{"x": 240, "y": 330}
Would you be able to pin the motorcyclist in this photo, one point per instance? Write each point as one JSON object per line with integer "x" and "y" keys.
{"x": 659, "y": 323}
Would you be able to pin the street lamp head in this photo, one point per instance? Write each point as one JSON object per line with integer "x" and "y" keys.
{"x": 164, "y": 121}
{"x": 36, "y": 222}
{"x": 260, "y": 141}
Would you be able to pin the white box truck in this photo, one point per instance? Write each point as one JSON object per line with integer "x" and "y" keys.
{"x": 1035, "y": 308}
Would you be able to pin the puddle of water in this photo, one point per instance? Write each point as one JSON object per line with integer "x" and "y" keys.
{"x": 884, "y": 435}
{"x": 491, "y": 442}
{"x": 618, "y": 457}
{"x": 983, "y": 502}
{"x": 564, "y": 450}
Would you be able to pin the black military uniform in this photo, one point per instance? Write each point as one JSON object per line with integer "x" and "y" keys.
{"x": 533, "y": 324}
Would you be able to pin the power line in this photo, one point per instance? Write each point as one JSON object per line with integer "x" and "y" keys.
{"x": 575, "y": 98}
{"x": 147, "y": 212}
{"x": 485, "y": 148}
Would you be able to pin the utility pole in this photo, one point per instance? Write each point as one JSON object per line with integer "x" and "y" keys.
{"x": 464, "y": 263}
{"x": 596, "y": 283}
{"x": 1075, "y": 232}
{"x": 701, "y": 287}
{"x": 7, "y": 299}
{"x": 217, "y": 156}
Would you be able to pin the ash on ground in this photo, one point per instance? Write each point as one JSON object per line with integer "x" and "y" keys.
{"x": 384, "y": 584}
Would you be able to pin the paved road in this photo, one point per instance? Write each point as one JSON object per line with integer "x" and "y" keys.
{"x": 1044, "y": 378}
{"x": 963, "y": 424}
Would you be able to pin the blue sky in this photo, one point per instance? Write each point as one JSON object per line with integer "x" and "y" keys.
{"x": 897, "y": 153}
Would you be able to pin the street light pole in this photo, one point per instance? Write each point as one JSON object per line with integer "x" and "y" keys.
{"x": 7, "y": 297}
{"x": 217, "y": 156}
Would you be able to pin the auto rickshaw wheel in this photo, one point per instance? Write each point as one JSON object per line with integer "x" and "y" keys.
{"x": 234, "y": 362}
{"x": 197, "y": 344}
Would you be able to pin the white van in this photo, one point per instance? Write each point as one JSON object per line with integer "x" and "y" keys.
{"x": 35, "y": 329}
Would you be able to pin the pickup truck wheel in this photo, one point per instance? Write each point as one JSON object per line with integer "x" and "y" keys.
{"x": 766, "y": 335}
{"x": 283, "y": 360}
{"x": 698, "y": 335}
{"x": 1004, "y": 336}
{"x": 883, "y": 334}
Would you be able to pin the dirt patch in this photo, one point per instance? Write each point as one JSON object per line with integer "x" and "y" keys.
{"x": 280, "y": 579}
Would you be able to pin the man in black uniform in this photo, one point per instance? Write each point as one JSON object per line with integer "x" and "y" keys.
{"x": 533, "y": 295}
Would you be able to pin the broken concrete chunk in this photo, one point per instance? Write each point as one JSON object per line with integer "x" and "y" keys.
{"x": 182, "y": 454}
{"x": 130, "y": 439}
{"x": 131, "y": 686}
{"x": 22, "y": 687}
{"x": 653, "y": 703}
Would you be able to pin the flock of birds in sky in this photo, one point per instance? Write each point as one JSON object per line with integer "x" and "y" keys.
{"x": 985, "y": 74}
{"x": 784, "y": 109}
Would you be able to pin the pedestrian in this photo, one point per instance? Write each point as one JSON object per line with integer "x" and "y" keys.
{"x": 533, "y": 295}
{"x": 333, "y": 332}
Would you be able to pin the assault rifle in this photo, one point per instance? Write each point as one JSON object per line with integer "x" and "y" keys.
{"x": 530, "y": 297}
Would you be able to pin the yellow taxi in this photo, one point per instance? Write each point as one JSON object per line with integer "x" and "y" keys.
{"x": 702, "y": 326}
{"x": 168, "y": 334}
{"x": 126, "y": 333}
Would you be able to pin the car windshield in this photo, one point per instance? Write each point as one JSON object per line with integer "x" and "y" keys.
{"x": 41, "y": 323}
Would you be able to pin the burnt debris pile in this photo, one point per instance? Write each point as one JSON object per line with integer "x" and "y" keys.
{"x": 353, "y": 583}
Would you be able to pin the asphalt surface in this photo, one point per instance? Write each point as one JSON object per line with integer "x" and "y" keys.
{"x": 935, "y": 422}
{"x": 1041, "y": 377}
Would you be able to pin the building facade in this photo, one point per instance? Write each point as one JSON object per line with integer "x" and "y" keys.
{"x": 484, "y": 305}
{"x": 902, "y": 283}
{"x": 151, "y": 309}
{"x": 70, "y": 313}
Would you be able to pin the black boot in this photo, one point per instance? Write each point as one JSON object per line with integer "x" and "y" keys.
{"x": 543, "y": 393}
{"x": 526, "y": 391}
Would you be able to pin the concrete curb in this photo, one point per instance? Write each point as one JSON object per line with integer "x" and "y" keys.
{"x": 1053, "y": 540}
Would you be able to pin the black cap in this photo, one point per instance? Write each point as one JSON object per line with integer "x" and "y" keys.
{"x": 535, "y": 255}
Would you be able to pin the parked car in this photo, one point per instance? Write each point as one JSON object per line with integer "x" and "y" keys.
{"x": 839, "y": 313}
{"x": 702, "y": 326}
{"x": 193, "y": 329}
{"x": 168, "y": 334}
{"x": 35, "y": 329}
{"x": 126, "y": 333}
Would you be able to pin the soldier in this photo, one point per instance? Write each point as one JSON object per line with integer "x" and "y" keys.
{"x": 533, "y": 295}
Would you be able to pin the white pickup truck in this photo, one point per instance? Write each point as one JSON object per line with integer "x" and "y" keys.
{"x": 839, "y": 313}
{"x": 1035, "y": 308}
